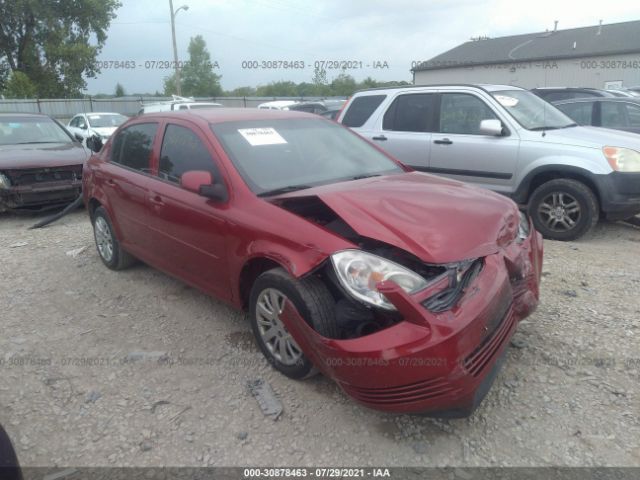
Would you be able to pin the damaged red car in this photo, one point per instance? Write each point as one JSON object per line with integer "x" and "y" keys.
{"x": 402, "y": 287}
{"x": 40, "y": 163}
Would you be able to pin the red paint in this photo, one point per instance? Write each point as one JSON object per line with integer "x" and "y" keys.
{"x": 416, "y": 365}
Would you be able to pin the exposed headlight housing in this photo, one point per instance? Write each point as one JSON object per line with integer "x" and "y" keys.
{"x": 359, "y": 272}
{"x": 622, "y": 159}
{"x": 523, "y": 227}
{"x": 4, "y": 182}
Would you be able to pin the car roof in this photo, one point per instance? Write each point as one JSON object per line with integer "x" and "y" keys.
{"x": 599, "y": 99}
{"x": 20, "y": 114}
{"x": 222, "y": 115}
{"x": 482, "y": 86}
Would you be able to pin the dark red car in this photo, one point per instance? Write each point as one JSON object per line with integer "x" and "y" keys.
{"x": 403, "y": 287}
{"x": 40, "y": 163}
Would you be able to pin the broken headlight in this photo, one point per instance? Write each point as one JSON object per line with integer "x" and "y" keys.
{"x": 359, "y": 273}
{"x": 4, "y": 182}
{"x": 523, "y": 228}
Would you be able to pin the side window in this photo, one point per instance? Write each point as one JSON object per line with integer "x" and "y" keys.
{"x": 361, "y": 109}
{"x": 633, "y": 114}
{"x": 81, "y": 123}
{"x": 612, "y": 115}
{"x": 183, "y": 107}
{"x": 410, "y": 113}
{"x": 580, "y": 112}
{"x": 74, "y": 122}
{"x": 132, "y": 147}
{"x": 181, "y": 152}
{"x": 462, "y": 113}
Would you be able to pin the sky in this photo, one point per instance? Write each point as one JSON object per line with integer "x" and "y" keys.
{"x": 379, "y": 38}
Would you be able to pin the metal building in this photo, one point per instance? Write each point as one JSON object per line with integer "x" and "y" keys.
{"x": 600, "y": 56}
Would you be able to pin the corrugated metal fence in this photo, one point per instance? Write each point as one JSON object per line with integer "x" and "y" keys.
{"x": 67, "y": 108}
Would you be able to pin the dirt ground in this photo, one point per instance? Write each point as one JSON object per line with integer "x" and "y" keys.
{"x": 81, "y": 383}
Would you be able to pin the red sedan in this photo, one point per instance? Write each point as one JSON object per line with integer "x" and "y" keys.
{"x": 403, "y": 287}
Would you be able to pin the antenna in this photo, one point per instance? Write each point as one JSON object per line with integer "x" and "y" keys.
{"x": 599, "y": 28}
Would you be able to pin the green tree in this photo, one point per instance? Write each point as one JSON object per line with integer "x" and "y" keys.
{"x": 19, "y": 86}
{"x": 343, "y": 85}
{"x": 197, "y": 77}
{"x": 242, "y": 92}
{"x": 278, "y": 89}
{"x": 119, "y": 92}
{"x": 54, "y": 43}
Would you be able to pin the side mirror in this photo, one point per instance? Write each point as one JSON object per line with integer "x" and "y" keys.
{"x": 491, "y": 127}
{"x": 202, "y": 183}
{"x": 78, "y": 137}
{"x": 94, "y": 143}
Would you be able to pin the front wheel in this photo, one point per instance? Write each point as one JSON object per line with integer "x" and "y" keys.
{"x": 563, "y": 209}
{"x": 314, "y": 303}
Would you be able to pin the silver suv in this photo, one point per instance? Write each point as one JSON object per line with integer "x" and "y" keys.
{"x": 508, "y": 140}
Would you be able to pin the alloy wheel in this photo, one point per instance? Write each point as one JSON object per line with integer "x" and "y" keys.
{"x": 274, "y": 334}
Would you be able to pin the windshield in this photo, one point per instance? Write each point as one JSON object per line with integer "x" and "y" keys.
{"x": 102, "y": 121}
{"x": 23, "y": 130}
{"x": 531, "y": 111}
{"x": 276, "y": 154}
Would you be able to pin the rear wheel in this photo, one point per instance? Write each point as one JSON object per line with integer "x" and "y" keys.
{"x": 314, "y": 303}
{"x": 563, "y": 209}
{"x": 109, "y": 249}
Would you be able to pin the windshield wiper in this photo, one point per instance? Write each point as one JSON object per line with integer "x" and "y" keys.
{"x": 287, "y": 189}
{"x": 537, "y": 129}
{"x": 365, "y": 175}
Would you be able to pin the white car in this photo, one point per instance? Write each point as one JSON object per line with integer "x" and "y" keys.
{"x": 178, "y": 103}
{"x": 102, "y": 124}
{"x": 277, "y": 105}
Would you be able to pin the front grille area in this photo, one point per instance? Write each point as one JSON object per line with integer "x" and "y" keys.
{"x": 415, "y": 392}
{"x": 42, "y": 175}
{"x": 477, "y": 360}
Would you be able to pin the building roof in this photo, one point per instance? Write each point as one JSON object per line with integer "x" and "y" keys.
{"x": 598, "y": 40}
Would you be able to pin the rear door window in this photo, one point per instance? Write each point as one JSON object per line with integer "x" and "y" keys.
{"x": 613, "y": 115}
{"x": 462, "y": 113}
{"x": 183, "y": 151}
{"x": 410, "y": 113}
{"x": 132, "y": 146}
{"x": 579, "y": 112}
{"x": 633, "y": 114}
{"x": 361, "y": 109}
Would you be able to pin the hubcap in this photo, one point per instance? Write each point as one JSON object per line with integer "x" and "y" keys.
{"x": 104, "y": 241}
{"x": 560, "y": 212}
{"x": 272, "y": 331}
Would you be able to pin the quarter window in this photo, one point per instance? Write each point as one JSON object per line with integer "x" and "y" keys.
{"x": 633, "y": 114}
{"x": 132, "y": 147}
{"x": 183, "y": 151}
{"x": 462, "y": 113}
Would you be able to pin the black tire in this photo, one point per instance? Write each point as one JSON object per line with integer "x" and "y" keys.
{"x": 119, "y": 258}
{"x": 314, "y": 302}
{"x": 572, "y": 225}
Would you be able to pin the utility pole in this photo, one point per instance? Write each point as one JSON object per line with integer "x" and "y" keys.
{"x": 175, "y": 48}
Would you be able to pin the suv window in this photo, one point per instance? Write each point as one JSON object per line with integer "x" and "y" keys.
{"x": 612, "y": 115}
{"x": 462, "y": 113}
{"x": 132, "y": 147}
{"x": 633, "y": 113}
{"x": 568, "y": 95}
{"x": 580, "y": 112}
{"x": 182, "y": 151}
{"x": 361, "y": 109}
{"x": 410, "y": 113}
{"x": 74, "y": 122}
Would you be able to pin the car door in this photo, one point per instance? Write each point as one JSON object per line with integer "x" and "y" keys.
{"x": 124, "y": 179}
{"x": 459, "y": 150}
{"x": 406, "y": 128}
{"x": 189, "y": 230}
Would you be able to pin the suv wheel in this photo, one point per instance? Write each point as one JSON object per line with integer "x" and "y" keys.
{"x": 563, "y": 209}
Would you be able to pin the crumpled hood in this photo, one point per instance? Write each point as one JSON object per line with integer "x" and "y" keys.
{"x": 38, "y": 155}
{"x": 436, "y": 219}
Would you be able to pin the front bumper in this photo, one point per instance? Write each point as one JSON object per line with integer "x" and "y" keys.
{"x": 441, "y": 364}
{"x": 40, "y": 196}
{"x": 619, "y": 194}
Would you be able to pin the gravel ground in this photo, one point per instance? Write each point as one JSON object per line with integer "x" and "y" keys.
{"x": 81, "y": 383}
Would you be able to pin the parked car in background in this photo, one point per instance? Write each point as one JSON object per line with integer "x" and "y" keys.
{"x": 508, "y": 140}
{"x": 177, "y": 103}
{"x": 85, "y": 125}
{"x": 319, "y": 107}
{"x": 555, "y": 94}
{"x": 40, "y": 163}
{"x": 277, "y": 105}
{"x": 403, "y": 287}
{"x": 616, "y": 113}
{"x": 623, "y": 93}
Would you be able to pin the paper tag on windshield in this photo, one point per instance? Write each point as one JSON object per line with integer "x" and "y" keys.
{"x": 261, "y": 136}
{"x": 507, "y": 101}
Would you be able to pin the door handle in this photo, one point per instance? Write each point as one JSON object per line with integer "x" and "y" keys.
{"x": 156, "y": 200}
{"x": 382, "y": 138}
{"x": 444, "y": 141}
